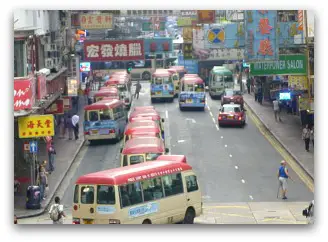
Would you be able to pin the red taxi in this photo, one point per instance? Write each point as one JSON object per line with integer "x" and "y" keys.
{"x": 232, "y": 114}
{"x": 232, "y": 96}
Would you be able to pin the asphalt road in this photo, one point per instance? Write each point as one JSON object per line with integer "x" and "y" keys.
{"x": 232, "y": 164}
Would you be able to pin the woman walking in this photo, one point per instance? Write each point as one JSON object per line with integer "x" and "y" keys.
{"x": 306, "y": 134}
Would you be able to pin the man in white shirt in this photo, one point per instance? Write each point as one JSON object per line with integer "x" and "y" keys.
{"x": 57, "y": 210}
{"x": 276, "y": 110}
{"x": 75, "y": 122}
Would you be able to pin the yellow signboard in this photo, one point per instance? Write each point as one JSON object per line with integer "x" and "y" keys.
{"x": 72, "y": 87}
{"x": 96, "y": 21}
{"x": 36, "y": 126}
{"x": 298, "y": 82}
{"x": 187, "y": 34}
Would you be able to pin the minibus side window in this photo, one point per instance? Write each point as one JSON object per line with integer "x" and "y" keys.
{"x": 130, "y": 194}
{"x": 105, "y": 194}
{"x": 136, "y": 159}
{"x": 76, "y": 194}
{"x": 152, "y": 189}
{"x": 87, "y": 195}
{"x": 191, "y": 183}
{"x": 93, "y": 116}
{"x": 125, "y": 160}
{"x": 173, "y": 184}
{"x": 152, "y": 156}
{"x": 104, "y": 114}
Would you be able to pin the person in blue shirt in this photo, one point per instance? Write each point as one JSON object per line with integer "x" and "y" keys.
{"x": 283, "y": 176}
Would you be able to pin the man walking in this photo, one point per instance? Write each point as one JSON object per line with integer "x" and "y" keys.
{"x": 306, "y": 134}
{"x": 276, "y": 110}
{"x": 56, "y": 212}
{"x": 75, "y": 122}
{"x": 283, "y": 176}
{"x": 51, "y": 155}
{"x": 138, "y": 88}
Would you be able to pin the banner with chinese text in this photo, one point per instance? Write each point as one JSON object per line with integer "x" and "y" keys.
{"x": 23, "y": 94}
{"x": 260, "y": 35}
{"x": 206, "y": 16}
{"x": 187, "y": 34}
{"x": 36, "y": 126}
{"x": 187, "y": 51}
{"x": 298, "y": 82}
{"x": 114, "y": 50}
{"x": 187, "y": 18}
{"x": 96, "y": 21}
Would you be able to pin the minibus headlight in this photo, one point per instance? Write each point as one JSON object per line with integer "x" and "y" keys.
{"x": 76, "y": 221}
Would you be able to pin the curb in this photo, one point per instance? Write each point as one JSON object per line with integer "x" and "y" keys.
{"x": 43, "y": 209}
{"x": 281, "y": 143}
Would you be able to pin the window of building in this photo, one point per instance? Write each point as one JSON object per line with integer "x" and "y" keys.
{"x": 87, "y": 195}
{"x": 105, "y": 194}
{"x": 191, "y": 183}
{"x": 173, "y": 184}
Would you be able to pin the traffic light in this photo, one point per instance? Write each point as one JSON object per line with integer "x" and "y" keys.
{"x": 129, "y": 68}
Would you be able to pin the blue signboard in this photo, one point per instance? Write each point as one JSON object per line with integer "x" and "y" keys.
{"x": 33, "y": 147}
{"x": 158, "y": 45}
{"x": 190, "y": 65}
{"x": 142, "y": 210}
{"x": 260, "y": 35}
{"x": 192, "y": 99}
{"x": 287, "y": 32}
{"x": 105, "y": 209}
{"x": 224, "y": 36}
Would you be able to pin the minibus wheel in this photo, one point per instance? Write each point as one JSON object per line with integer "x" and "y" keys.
{"x": 146, "y": 221}
{"x": 189, "y": 216}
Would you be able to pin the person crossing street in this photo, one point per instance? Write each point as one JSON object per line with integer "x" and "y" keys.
{"x": 138, "y": 88}
{"x": 283, "y": 176}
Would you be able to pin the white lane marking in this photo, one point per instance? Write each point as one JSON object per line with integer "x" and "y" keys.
{"x": 251, "y": 197}
{"x": 213, "y": 120}
{"x": 211, "y": 114}
{"x": 206, "y": 197}
{"x": 226, "y": 146}
{"x": 242, "y": 180}
{"x": 181, "y": 141}
{"x": 208, "y": 108}
{"x": 191, "y": 119}
{"x": 221, "y": 137}
{"x": 167, "y": 114}
{"x": 236, "y": 167}
{"x": 230, "y": 155}
{"x": 217, "y": 127}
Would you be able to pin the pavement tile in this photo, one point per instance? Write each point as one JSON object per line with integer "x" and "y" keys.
{"x": 268, "y": 206}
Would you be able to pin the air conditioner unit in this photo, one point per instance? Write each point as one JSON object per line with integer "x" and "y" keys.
{"x": 45, "y": 71}
{"x": 49, "y": 63}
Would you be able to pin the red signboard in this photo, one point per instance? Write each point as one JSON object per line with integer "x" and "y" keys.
{"x": 56, "y": 108}
{"x": 114, "y": 50}
{"x": 23, "y": 97}
{"x": 42, "y": 86}
{"x": 206, "y": 16}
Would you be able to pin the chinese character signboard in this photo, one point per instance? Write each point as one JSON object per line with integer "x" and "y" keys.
{"x": 96, "y": 21}
{"x": 56, "y": 108}
{"x": 23, "y": 94}
{"x": 287, "y": 32}
{"x": 224, "y": 36}
{"x": 300, "y": 20}
{"x": 72, "y": 87}
{"x": 158, "y": 45}
{"x": 206, "y": 16}
{"x": 114, "y": 50}
{"x": 226, "y": 54}
{"x": 187, "y": 34}
{"x": 187, "y": 51}
{"x": 260, "y": 35}
{"x": 298, "y": 82}
{"x": 42, "y": 86}
{"x": 67, "y": 102}
{"x": 286, "y": 65}
{"x": 187, "y": 18}
{"x": 36, "y": 126}
{"x": 154, "y": 24}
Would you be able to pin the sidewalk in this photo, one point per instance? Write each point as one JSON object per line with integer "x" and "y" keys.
{"x": 253, "y": 213}
{"x": 67, "y": 150}
{"x": 288, "y": 132}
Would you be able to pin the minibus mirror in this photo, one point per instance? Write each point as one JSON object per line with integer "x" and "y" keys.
{"x": 121, "y": 150}
{"x": 167, "y": 150}
{"x": 162, "y": 120}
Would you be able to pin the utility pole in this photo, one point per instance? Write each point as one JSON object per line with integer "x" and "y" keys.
{"x": 307, "y": 49}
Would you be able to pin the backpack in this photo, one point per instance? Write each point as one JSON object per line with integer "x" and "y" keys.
{"x": 55, "y": 215}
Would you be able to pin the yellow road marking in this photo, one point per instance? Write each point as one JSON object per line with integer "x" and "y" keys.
{"x": 225, "y": 206}
{"x": 287, "y": 157}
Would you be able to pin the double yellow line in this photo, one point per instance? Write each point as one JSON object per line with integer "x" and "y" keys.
{"x": 306, "y": 179}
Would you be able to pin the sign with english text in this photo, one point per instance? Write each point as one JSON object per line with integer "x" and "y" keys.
{"x": 114, "y": 50}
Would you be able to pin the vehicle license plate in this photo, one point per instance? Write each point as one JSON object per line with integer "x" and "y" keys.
{"x": 104, "y": 131}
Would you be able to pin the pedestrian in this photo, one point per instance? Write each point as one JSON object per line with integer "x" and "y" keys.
{"x": 43, "y": 179}
{"x": 138, "y": 88}
{"x": 248, "y": 83}
{"x": 75, "y": 123}
{"x": 69, "y": 127}
{"x": 306, "y": 135}
{"x": 294, "y": 105}
{"x": 255, "y": 91}
{"x": 86, "y": 94}
{"x": 276, "y": 110}
{"x": 15, "y": 219}
{"x": 56, "y": 212}
{"x": 62, "y": 127}
{"x": 283, "y": 176}
{"x": 312, "y": 136}
{"x": 51, "y": 155}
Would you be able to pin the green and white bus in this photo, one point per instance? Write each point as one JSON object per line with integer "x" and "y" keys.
{"x": 220, "y": 79}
